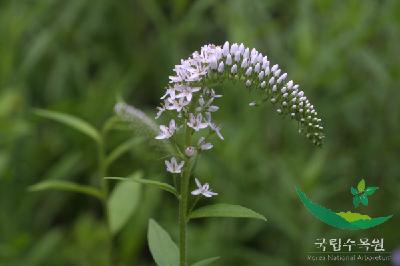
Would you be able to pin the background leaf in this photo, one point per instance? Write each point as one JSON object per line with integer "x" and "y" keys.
{"x": 225, "y": 210}
{"x": 67, "y": 186}
{"x": 123, "y": 148}
{"x": 71, "y": 121}
{"x": 160, "y": 185}
{"x": 164, "y": 250}
{"x": 122, "y": 203}
{"x": 361, "y": 186}
{"x": 206, "y": 261}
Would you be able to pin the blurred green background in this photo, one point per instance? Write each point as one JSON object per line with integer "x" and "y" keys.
{"x": 76, "y": 56}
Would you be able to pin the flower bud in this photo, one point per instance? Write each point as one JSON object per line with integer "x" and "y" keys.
{"x": 190, "y": 151}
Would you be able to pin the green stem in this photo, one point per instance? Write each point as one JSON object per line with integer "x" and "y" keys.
{"x": 183, "y": 202}
{"x": 183, "y": 216}
{"x": 103, "y": 168}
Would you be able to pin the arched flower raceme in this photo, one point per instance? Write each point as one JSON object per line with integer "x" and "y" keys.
{"x": 190, "y": 101}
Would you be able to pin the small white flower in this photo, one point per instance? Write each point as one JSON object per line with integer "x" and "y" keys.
{"x": 203, "y": 145}
{"x": 196, "y": 122}
{"x": 203, "y": 190}
{"x": 217, "y": 130}
{"x": 176, "y": 104}
{"x": 167, "y": 132}
{"x": 170, "y": 93}
{"x": 173, "y": 166}
{"x": 186, "y": 92}
{"x": 213, "y": 95}
{"x": 160, "y": 111}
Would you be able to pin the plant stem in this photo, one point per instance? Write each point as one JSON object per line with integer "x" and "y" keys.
{"x": 183, "y": 203}
{"x": 183, "y": 216}
{"x": 104, "y": 187}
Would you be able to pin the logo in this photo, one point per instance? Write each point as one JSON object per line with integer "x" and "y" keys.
{"x": 346, "y": 220}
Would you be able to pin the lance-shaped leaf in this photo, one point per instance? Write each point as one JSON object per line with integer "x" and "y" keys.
{"x": 371, "y": 190}
{"x": 206, "y": 261}
{"x": 354, "y": 191}
{"x": 361, "y": 186}
{"x": 122, "y": 204}
{"x": 164, "y": 250}
{"x": 71, "y": 121}
{"x": 225, "y": 210}
{"x": 160, "y": 185}
{"x": 67, "y": 186}
{"x": 123, "y": 148}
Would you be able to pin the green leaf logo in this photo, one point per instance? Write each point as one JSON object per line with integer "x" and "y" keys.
{"x": 361, "y": 194}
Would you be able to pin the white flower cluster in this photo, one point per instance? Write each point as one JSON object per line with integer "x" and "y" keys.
{"x": 192, "y": 103}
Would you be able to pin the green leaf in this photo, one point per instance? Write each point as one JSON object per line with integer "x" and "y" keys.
{"x": 371, "y": 190}
{"x": 361, "y": 186}
{"x": 123, "y": 148}
{"x": 164, "y": 250}
{"x": 364, "y": 199}
{"x": 160, "y": 185}
{"x": 356, "y": 201}
{"x": 71, "y": 121}
{"x": 206, "y": 261}
{"x": 354, "y": 191}
{"x": 225, "y": 210}
{"x": 122, "y": 203}
{"x": 67, "y": 186}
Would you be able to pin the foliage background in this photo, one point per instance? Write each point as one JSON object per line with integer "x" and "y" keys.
{"x": 76, "y": 56}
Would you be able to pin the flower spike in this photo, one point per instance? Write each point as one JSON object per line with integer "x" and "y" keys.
{"x": 216, "y": 63}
